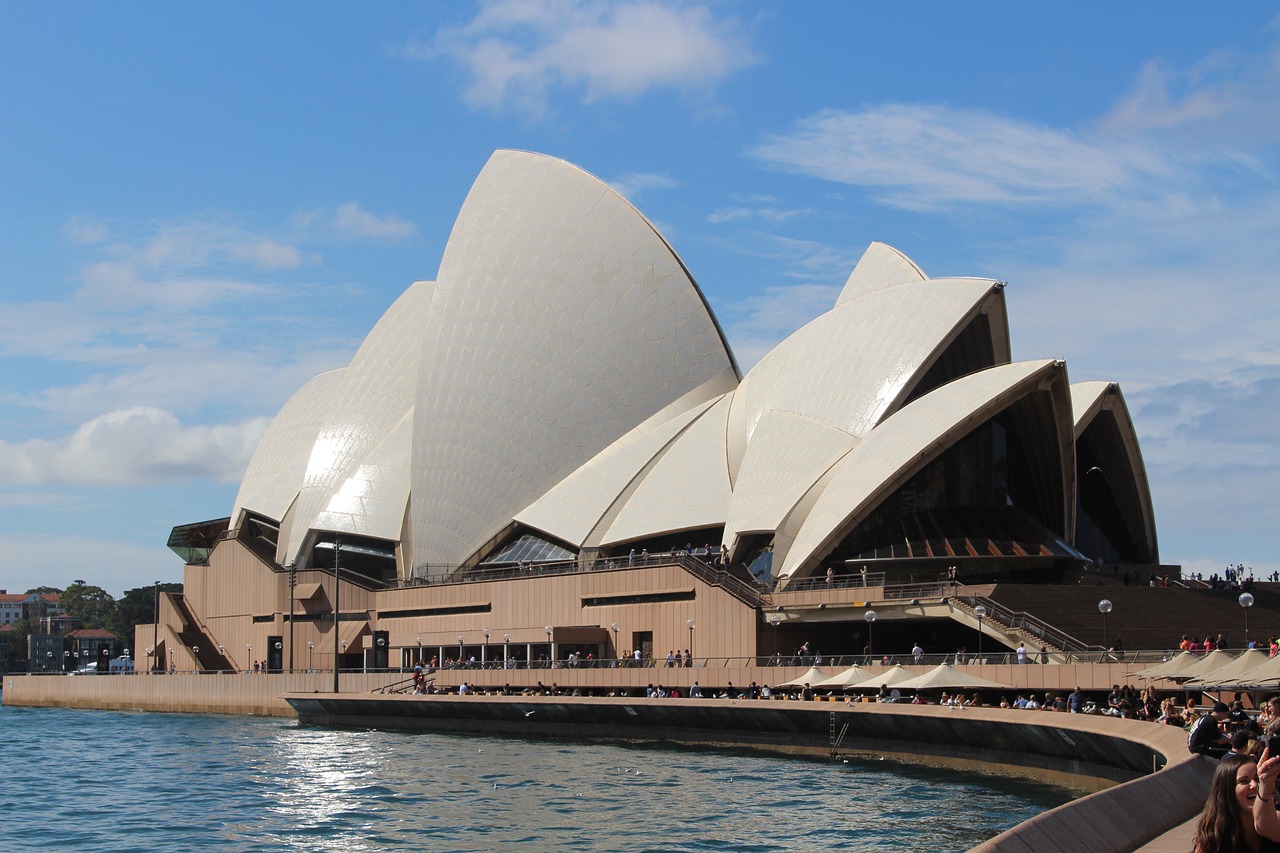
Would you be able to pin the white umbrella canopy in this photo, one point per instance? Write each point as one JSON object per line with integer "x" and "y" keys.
{"x": 1170, "y": 668}
{"x": 947, "y": 676}
{"x": 1215, "y": 659}
{"x": 852, "y": 675}
{"x": 1249, "y": 659}
{"x": 1263, "y": 673}
{"x": 813, "y": 676}
{"x": 891, "y": 677}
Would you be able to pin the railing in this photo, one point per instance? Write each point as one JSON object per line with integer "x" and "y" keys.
{"x": 690, "y": 561}
{"x": 1019, "y": 620}
{"x": 852, "y": 581}
{"x": 831, "y": 664}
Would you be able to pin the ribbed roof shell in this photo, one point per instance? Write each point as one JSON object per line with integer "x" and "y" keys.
{"x": 279, "y": 462}
{"x": 562, "y": 321}
{"x": 374, "y": 395}
{"x": 901, "y": 446}
{"x": 565, "y": 373}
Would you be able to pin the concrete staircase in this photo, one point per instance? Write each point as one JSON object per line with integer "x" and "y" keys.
{"x": 1013, "y": 628}
{"x": 1144, "y": 617}
{"x": 193, "y": 637}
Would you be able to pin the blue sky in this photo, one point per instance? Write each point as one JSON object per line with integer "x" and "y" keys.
{"x": 202, "y": 205}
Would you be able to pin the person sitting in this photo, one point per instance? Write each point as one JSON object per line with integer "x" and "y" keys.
{"x": 1240, "y": 813}
{"x": 1206, "y": 736}
{"x": 1241, "y": 742}
{"x": 1238, "y": 719}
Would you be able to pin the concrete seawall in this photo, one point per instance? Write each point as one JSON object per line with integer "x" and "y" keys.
{"x": 258, "y": 695}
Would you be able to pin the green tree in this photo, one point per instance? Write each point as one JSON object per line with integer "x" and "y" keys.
{"x": 92, "y": 605}
{"x": 18, "y": 633}
{"x": 137, "y": 607}
{"x": 39, "y": 609}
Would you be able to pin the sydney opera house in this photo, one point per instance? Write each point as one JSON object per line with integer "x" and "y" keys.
{"x": 551, "y": 450}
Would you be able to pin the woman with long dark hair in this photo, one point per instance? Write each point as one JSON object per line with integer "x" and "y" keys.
{"x": 1240, "y": 814}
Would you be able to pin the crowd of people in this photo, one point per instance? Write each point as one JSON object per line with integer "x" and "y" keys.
{"x": 1240, "y": 812}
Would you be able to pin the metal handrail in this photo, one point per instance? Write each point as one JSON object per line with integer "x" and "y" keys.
{"x": 1021, "y": 620}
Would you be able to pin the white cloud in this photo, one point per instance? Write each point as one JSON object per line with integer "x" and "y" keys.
{"x": 764, "y": 208}
{"x": 1225, "y": 96}
{"x": 922, "y": 157}
{"x": 632, "y": 184}
{"x": 85, "y": 230}
{"x": 757, "y": 324}
{"x": 197, "y": 243}
{"x": 518, "y": 51}
{"x": 804, "y": 259}
{"x": 28, "y": 498}
{"x": 227, "y": 379}
{"x": 133, "y": 446}
{"x": 33, "y": 559}
{"x": 353, "y": 221}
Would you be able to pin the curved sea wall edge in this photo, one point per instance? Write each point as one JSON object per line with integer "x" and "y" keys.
{"x": 1144, "y": 781}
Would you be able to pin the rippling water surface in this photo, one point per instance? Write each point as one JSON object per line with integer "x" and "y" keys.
{"x": 108, "y": 781}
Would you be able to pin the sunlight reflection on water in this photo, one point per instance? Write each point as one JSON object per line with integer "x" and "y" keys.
{"x": 109, "y": 781}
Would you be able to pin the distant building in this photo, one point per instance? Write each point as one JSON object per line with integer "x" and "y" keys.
{"x": 90, "y": 646}
{"x": 44, "y": 653}
{"x": 10, "y": 608}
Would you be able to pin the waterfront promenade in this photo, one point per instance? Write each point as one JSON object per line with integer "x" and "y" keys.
{"x": 253, "y": 693}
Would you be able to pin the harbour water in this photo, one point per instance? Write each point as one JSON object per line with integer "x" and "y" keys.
{"x": 114, "y": 781}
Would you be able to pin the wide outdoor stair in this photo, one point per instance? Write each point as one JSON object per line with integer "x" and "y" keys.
{"x": 193, "y": 637}
{"x": 1014, "y": 628}
{"x": 1145, "y": 617}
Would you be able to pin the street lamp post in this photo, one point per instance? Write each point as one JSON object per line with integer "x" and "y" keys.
{"x": 506, "y": 653}
{"x": 293, "y": 583}
{"x": 195, "y": 651}
{"x": 1104, "y": 607}
{"x": 870, "y": 617}
{"x": 337, "y": 598}
{"x": 155, "y": 629}
{"x": 691, "y": 625}
{"x": 1246, "y": 601}
{"x": 310, "y": 646}
{"x": 981, "y": 613}
{"x": 773, "y": 619}
{"x": 551, "y": 647}
{"x": 484, "y": 650}
{"x": 460, "y": 661}
{"x": 617, "y": 652}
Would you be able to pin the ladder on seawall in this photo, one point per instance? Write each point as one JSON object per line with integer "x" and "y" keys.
{"x": 835, "y": 738}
